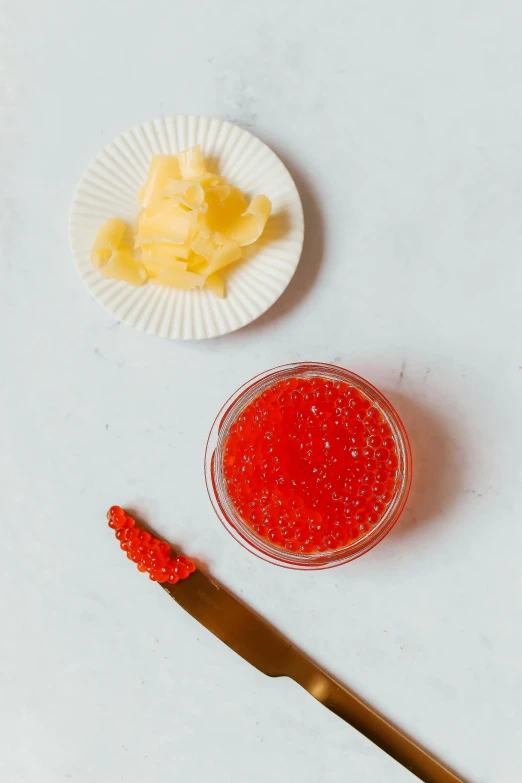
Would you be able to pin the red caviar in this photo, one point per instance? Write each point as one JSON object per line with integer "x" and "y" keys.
{"x": 150, "y": 554}
{"x": 310, "y": 464}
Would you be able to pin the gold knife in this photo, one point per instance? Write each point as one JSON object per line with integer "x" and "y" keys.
{"x": 257, "y": 642}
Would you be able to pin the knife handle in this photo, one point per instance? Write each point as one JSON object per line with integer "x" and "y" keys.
{"x": 369, "y": 723}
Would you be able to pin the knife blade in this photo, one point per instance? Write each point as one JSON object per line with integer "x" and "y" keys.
{"x": 262, "y": 646}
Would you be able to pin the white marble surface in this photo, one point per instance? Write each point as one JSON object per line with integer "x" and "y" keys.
{"x": 402, "y": 123}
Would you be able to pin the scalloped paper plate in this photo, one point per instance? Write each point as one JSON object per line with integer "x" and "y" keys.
{"x": 110, "y": 186}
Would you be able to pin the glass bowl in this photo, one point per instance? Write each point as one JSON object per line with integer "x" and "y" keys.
{"x": 241, "y": 531}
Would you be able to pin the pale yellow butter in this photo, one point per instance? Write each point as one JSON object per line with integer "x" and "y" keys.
{"x": 192, "y": 227}
{"x": 123, "y": 266}
{"x": 108, "y": 239}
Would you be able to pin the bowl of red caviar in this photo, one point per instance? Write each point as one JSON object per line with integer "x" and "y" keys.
{"x": 308, "y": 465}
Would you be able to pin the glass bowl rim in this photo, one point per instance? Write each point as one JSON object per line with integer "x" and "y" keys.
{"x": 240, "y": 531}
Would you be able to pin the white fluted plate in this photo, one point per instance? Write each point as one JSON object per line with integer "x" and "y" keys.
{"x": 109, "y": 187}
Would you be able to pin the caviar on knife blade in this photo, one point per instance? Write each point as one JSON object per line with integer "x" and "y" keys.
{"x": 150, "y": 554}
